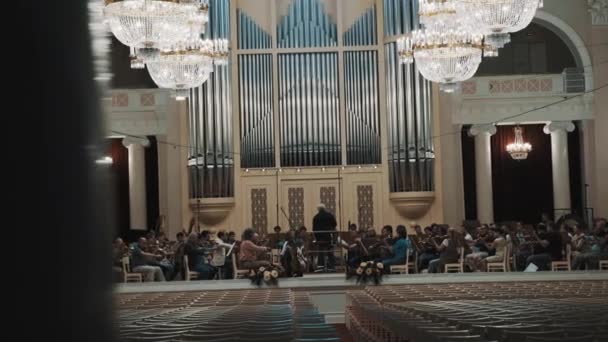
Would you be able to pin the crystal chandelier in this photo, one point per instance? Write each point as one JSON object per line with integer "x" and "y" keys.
{"x": 447, "y": 50}
{"x": 497, "y": 18}
{"x": 519, "y": 149}
{"x": 148, "y": 25}
{"x": 187, "y": 64}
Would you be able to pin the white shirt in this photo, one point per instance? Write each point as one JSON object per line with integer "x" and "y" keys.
{"x": 219, "y": 255}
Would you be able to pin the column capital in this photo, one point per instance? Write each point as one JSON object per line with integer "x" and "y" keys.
{"x": 476, "y": 130}
{"x": 128, "y": 141}
{"x": 555, "y": 126}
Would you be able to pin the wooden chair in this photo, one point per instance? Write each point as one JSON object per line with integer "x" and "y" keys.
{"x": 603, "y": 265}
{"x": 503, "y": 265}
{"x": 565, "y": 265}
{"x": 237, "y": 271}
{"x": 405, "y": 268}
{"x": 189, "y": 275}
{"x": 127, "y": 274}
{"x": 456, "y": 267}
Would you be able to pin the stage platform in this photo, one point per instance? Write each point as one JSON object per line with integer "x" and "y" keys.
{"x": 337, "y": 281}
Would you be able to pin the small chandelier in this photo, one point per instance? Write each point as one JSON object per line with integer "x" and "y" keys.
{"x": 447, "y": 50}
{"x": 519, "y": 149}
{"x": 187, "y": 65}
{"x": 148, "y": 25}
{"x": 497, "y": 18}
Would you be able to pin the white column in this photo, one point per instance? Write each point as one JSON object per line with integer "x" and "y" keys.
{"x": 559, "y": 164}
{"x": 483, "y": 171}
{"x": 137, "y": 182}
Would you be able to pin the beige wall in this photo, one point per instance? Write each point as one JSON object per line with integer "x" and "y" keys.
{"x": 172, "y": 176}
{"x": 599, "y": 55}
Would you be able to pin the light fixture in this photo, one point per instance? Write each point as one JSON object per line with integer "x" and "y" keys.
{"x": 497, "y": 18}
{"x": 187, "y": 64}
{"x": 148, "y": 25}
{"x": 519, "y": 149}
{"x": 447, "y": 50}
{"x": 107, "y": 160}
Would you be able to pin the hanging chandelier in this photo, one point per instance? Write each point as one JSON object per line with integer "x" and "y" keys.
{"x": 149, "y": 25}
{"x": 187, "y": 65}
{"x": 497, "y": 18}
{"x": 519, "y": 149}
{"x": 446, "y": 50}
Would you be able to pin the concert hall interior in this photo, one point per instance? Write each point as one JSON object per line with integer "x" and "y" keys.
{"x": 351, "y": 170}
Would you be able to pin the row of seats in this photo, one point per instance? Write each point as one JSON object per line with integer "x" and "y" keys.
{"x": 573, "y": 316}
{"x": 489, "y": 290}
{"x": 251, "y": 315}
{"x": 203, "y": 298}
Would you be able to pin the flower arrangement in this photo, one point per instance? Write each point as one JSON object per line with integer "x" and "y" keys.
{"x": 268, "y": 275}
{"x": 367, "y": 272}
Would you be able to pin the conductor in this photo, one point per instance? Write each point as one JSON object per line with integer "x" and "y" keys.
{"x": 323, "y": 227}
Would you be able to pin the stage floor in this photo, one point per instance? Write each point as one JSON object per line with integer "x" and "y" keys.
{"x": 335, "y": 281}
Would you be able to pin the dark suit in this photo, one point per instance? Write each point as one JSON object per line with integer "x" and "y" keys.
{"x": 324, "y": 221}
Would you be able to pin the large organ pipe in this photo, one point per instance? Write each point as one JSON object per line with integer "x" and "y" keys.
{"x": 210, "y": 151}
{"x": 408, "y": 95}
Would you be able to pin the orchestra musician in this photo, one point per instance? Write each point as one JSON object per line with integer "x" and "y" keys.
{"x": 398, "y": 249}
{"x": 547, "y": 248}
{"x": 352, "y": 243}
{"x": 481, "y": 248}
{"x": 371, "y": 244}
{"x": 424, "y": 246}
{"x": 323, "y": 224}
{"x": 250, "y": 252}
{"x": 292, "y": 255}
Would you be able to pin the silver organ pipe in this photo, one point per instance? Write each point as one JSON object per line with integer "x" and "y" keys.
{"x": 309, "y": 111}
{"x": 361, "y": 92}
{"x": 363, "y": 30}
{"x": 256, "y": 111}
{"x": 210, "y": 160}
{"x": 306, "y": 25}
{"x": 411, "y": 151}
{"x": 251, "y": 36}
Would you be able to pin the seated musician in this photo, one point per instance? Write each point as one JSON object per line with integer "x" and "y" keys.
{"x": 372, "y": 245}
{"x": 589, "y": 248}
{"x": 387, "y": 234}
{"x": 448, "y": 250}
{"x": 250, "y": 252}
{"x": 144, "y": 262}
{"x": 119, "y": 251}
{"x": 304, "y": 240}
{"x": 352, "y": 242}
{"x": 522, "y": 238}
{"x": 424, "y": 246}
{"x": 498, "y": 246}
{"x": 381, "y": 248}
{"x": 178, "y": 254}
{"x": 548, "y": 247}
{"x": 398, "y": 249}
{"x": 292, "y": 256}
{"x": 199, "y": 250}
{"x": 219, "y": 256}
{"x": 277, "y": 239}
{"x": 162, "y": 239}
{"x": 481, "y": 248}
